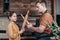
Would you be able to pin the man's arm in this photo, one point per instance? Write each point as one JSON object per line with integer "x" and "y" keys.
{"x": 43, "y": 25}
{"x": 39, "y": 29}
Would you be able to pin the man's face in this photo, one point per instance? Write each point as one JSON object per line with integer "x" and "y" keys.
{"x": 40, "y": 7}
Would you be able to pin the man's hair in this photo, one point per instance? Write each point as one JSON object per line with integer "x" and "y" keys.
{"x": 43, "y": 2}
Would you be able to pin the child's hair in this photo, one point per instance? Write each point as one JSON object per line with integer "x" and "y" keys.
{"x": 9, "y": 13}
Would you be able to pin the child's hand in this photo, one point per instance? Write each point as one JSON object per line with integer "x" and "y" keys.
{"x": 22, "y": 30}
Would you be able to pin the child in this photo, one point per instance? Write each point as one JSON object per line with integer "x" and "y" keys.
{"x": 13, "y": 30}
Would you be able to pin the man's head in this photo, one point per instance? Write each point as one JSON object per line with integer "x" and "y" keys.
{"x": 41, "y": 7}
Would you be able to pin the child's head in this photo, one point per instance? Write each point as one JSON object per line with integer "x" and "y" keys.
{"x": 12, "y": 16}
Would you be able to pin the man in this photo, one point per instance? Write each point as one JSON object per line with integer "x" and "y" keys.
{"x": 43, "y": 28}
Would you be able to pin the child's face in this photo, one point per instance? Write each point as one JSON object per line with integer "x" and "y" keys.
{"x": 13, "y": 17}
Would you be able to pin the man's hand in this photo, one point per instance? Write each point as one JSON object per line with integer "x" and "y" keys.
{"x": 29, "y": 25}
